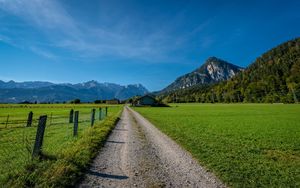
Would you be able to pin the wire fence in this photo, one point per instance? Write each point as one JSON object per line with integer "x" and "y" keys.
{"x": 40, "y": 136}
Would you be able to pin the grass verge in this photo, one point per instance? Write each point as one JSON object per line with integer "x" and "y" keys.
{"x": 65, "y": 169}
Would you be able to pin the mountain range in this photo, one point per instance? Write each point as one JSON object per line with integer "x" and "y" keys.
{"x": 15, "y": 92}
{"x": 274, "y": 77}
{"x": 212, "y": 71}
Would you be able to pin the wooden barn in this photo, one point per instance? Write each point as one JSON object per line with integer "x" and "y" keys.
{"x": 146, "y": 100}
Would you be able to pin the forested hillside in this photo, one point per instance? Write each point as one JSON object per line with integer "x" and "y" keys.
{"x": 273, "y": 77}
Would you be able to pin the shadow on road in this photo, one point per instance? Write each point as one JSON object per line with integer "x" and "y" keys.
{"x": 115, "y": 142}
{"x": 109, "y": 176}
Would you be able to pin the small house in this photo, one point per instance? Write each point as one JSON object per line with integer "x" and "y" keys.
{"x": 146, "y": 100}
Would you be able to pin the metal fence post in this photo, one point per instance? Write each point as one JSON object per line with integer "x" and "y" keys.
{"x": 71, "y": 116}
{"x": 75, "y": 133}
{"x": 37, "y": 149}
{"x": 93, "y": 117}
{"x": 106, "y": 111}
{"x": 29, "y": 120}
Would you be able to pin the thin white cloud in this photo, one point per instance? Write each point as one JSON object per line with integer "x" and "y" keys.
{"x": 46, "y": 14}
{"x": 43, "y": 52}
{"x": 63, "y": 31}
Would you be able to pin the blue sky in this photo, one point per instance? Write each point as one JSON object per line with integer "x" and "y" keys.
{"x": 149, "y": 42}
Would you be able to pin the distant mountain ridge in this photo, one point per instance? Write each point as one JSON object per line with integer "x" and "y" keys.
{"x": 15, "y": 92}
{"x": 25, "y": 85}
{"x": 212, "y": 71}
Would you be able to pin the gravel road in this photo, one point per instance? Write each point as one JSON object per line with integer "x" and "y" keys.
{"x": 137, "y": 154}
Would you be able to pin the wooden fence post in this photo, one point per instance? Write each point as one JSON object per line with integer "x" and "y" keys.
{"x": 29, "y": 120}
{"x": 93, "y": 117}
{"x": 71, "y": 116}
{"x": 7, "y": 121}
{"x": 100, "y": 113}
{"x": 75, "y": 133}
{"x": 37, "y": 149}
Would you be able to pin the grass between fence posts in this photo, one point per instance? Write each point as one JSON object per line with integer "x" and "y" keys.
{"x": 17, "y": 140}
{"x": 65, "y": 168}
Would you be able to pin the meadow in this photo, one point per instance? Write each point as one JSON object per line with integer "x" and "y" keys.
{"x": 245, "y": 145}
{"x": 17, "y": 140}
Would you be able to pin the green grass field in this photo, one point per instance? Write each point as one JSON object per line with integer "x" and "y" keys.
{"x": 16, "y": 140}
{"x": 245, "y": 145}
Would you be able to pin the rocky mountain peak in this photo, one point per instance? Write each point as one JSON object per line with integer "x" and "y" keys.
{"x": 218, "y": 69}
{"x": 212, "y": 71}
{"x": 91, "y": 84}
